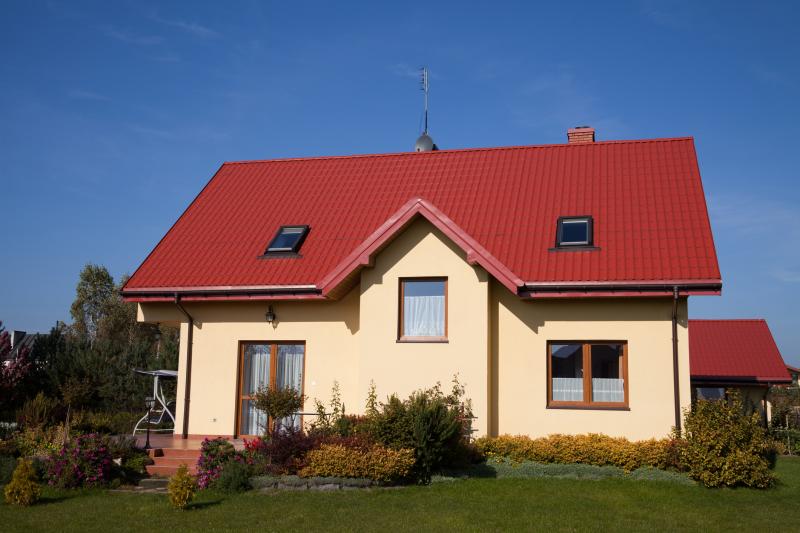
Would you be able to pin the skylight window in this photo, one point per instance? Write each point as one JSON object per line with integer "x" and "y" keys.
{"x": 288, "y": 240}
{"x": 574, "y": 231}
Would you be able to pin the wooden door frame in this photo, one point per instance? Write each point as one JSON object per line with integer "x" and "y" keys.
{"x": 273, "y": 376}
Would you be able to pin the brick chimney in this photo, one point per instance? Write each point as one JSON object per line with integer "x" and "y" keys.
{"x": 580, "y": 135}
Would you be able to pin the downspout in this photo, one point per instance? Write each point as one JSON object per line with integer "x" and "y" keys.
{"x": 188, "y": 379}
{"x": 675, "y": 374}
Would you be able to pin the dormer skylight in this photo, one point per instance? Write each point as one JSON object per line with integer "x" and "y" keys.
{"x": 287, "y": 240}
{"x": 574, "y": 231}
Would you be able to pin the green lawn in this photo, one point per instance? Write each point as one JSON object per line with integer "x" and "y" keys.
{"x": 475, "y": 504}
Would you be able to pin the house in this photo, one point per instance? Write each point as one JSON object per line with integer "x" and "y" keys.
{"x": 553, "y": 280}
{"x": 794, "y": 372}
{"x": 739, "y": 354}
{"x": 19, "y": 341}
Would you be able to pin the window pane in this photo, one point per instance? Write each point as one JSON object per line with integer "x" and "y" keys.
{"x": 607, "y": 376}
{"x": 710, "y": 393}
{"x": 423, "y": 308}
{"x": 253, "y": 421}
{"x": 290, "y": 374}
{"x": 286, "y": 239}
{"x": 575, "y": 231}
{"x": 566, "y": 362}
{"x": 256, "y": 368}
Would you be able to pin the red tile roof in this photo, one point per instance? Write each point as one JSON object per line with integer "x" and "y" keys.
{"x": 734, "y": 351}
{"x": 646, "y": 197}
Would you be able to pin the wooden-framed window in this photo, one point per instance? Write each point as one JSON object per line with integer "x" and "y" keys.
{"x": 266, "y": 364}
{"x": 587, "y": 374}
{"x": 423, "y": 310}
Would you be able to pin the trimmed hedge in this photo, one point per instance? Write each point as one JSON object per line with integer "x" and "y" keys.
{"x": 377, "y": 463}
{"x": 591, "y": 449}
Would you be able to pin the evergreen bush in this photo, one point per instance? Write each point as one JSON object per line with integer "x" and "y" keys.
{"x": 725, "y": 447}
{"x": 181, "y": 488}
{"x": 23, "y": 489}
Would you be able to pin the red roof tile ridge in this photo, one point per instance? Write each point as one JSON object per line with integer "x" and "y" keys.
{"x": 459, "y": 150}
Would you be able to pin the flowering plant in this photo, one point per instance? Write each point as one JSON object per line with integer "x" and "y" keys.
{"x": 85, "y": 461}
{"x": 214, "y": 453}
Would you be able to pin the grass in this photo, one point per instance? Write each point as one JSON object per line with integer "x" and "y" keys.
{"x": 550, "y": 504}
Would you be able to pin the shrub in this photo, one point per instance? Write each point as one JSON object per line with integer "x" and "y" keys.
{"x": 7, "y": 466}
{"x": 235, "y": 477}
{"x": 278, "y": 403}
{"x": 129, "y": 461}
{"x": 281, "y": 453}
{"x": 111, "y": 423}
{"x": 23, "y": 489}
{"x": 787, "y": 441}
{"x": 214, "y": 453}
{"x": 39, "y": 440}
{"x": 85, "y": 461}
{"x": 9, "y": 447}
{"x": 181, "y": 488}
{"x": 435, "y": 426}
{"x": 39, "y": 411}
{"x": 591, "y": 449}
{"x": 724, "y": 447}
{"x": 377, "y": 463}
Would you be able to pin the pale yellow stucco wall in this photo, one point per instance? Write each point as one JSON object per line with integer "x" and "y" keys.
{"x": 401, "y": 368}
{"x": 329, "y": 330}
{"x": 520, "y": 333}
{"x": 496, "y": 344}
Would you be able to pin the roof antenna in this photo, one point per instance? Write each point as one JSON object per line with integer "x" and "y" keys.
{"x": 425, "y": 142}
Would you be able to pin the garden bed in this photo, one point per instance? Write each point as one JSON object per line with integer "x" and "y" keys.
{"x": 477, "y": 504}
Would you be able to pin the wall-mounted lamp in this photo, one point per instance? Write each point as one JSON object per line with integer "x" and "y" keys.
{"x": 270, "y": 315}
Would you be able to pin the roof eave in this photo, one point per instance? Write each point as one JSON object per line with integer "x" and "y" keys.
{"x": 738, "y": 380}
{"x": 222, "y": 293}
{"x": 617, "y": 289}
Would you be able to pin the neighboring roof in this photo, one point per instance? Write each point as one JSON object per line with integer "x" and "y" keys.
{"x": 651, "y": 225}
{"x": 25, "y": 342}
{"x": 793, "y": 369}
{"x": 734, "y": 351}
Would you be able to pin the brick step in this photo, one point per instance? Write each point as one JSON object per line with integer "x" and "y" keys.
{"x": 175, "y": 461}
{"x": 167, "y": 471}
{"x": 173, "y": 452}
{"x": 177, "y": 452}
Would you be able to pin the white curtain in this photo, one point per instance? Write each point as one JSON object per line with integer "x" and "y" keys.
{"x": 567, "y": 389}
{"x": 608, "y": 390}
{"x": 423, "y": 316}
{"x": 256, "y": 376}
{"x": 290, "y": 374}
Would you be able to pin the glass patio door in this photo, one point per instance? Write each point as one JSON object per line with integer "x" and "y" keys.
{"x": 267, "y": 365}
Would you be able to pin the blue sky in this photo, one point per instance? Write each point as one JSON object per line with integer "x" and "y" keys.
{"x": 114, "y": 114}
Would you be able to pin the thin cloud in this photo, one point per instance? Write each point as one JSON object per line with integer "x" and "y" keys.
{"x": 147, "y": 131}
{"x": 196, "y": 29}
{"x": 559, "y": 100}
{"x": 787, "y": 275}
{"x": 79, "y": 94}
{"x": 771, "y": 226}
{"x": 168, "y": 58}
{"x": 671, "y": 14}
{"x": 132, "y": 38}
{"x": 404, "y": 70}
